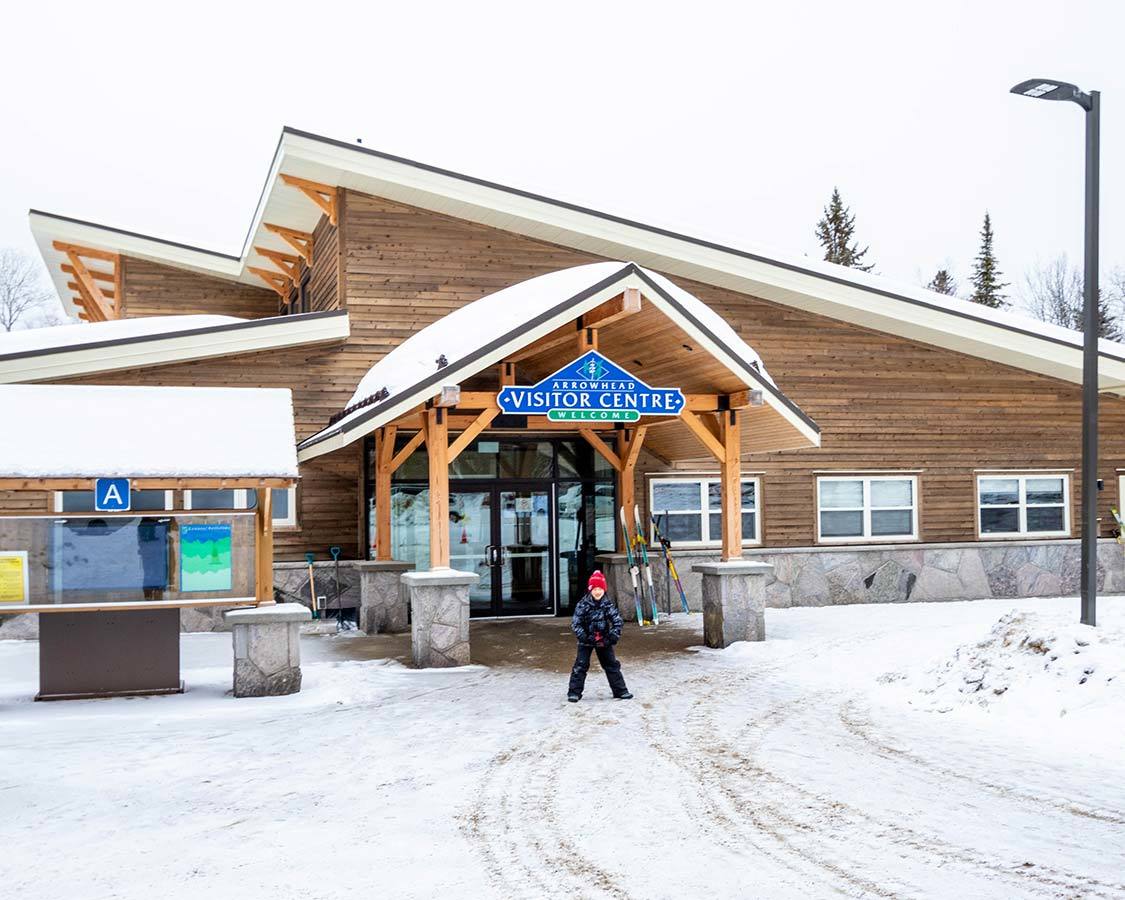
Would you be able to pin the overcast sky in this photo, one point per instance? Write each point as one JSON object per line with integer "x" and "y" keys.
{"x": 731, "y": 121}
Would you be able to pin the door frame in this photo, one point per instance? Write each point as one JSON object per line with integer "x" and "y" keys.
{"x": 496, "y": 487}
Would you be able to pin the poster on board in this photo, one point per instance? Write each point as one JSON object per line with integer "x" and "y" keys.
{"x": 205, "y": 557}
{"x": 14, "y": 579}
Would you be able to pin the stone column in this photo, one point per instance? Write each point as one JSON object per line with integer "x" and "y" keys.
{"x": 734, "y": 601}
{"x": 615, "y": 567}
{"x": 439, "y": 616}
{"x": 267, "y": 649}
{"x": 383, "y": 600}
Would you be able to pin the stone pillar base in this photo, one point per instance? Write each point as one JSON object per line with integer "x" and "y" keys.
{"x": 383, "y": 601}
{"x": 734, "y": 601}
{"x": 267, "y": 649}
{"x": 615, "y": 567}
{"x": 439, "y": 616}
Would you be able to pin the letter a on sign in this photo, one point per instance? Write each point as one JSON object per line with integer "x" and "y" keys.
{"x": 111, "y": 495}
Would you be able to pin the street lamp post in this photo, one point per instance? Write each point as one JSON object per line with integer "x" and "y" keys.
{"x": 1049, "y": 89}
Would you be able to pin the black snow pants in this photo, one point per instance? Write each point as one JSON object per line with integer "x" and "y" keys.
{"x": 610, "y": 665}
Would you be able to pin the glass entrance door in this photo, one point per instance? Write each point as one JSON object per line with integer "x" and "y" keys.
{"x": 505, "y": 535}
{"x": 525, "y": 552}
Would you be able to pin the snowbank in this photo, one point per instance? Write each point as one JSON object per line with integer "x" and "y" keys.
{"x": 1030, "y": 664}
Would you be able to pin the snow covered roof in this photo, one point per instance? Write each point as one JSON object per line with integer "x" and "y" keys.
{"x": 819, "y": 287}
{"x": 87, "y": 431}
{"x": 486, "y": 331}
{"x": 40, "y": 354}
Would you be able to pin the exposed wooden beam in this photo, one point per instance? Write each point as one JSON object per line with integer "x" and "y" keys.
{"x": 404, "y": 454}
{"x": 507, "y": 372}
{"x": 301, "y": 241}
{"x": 624, "y": 304}
{"x": 323, "y": 195}
{"x": 94, "y": 301}
{"x": 288, "y": 263}
{"x": 703, "y": 434}
{"x": 93, "y": 253}
{"x": 731, "y": 486}
{"x": 283, "y": 284}
{"x": 470, "y": 434}
{"x": 437, "y": 448}
{"x": 77, "y": 288}
{"x": 96, "y": 274}
{"x": 635, "y": 442}
{"x": 384, "y": 453}
{"x": 601, "y": 447}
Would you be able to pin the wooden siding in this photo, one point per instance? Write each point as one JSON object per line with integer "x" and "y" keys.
{"x": 882, "y": 402}
{"x": 154, "y": 290}
{"x": 323, "y": 293}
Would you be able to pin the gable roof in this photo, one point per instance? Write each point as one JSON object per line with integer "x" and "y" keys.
{"x": 44, "y": 354}
{"x": 485, "y": 332}
{"x": 823, "y": 288}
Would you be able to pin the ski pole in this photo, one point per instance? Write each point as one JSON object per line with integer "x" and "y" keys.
{"x": 643, "y": 545}
{"x": 632, "y": 569}
{"x": 666, "y": 546}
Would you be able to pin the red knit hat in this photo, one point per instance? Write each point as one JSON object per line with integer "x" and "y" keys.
{"x": 597, "y": 580}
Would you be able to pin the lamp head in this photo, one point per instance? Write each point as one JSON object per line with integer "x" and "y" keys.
{"x": 1052, "y": 89}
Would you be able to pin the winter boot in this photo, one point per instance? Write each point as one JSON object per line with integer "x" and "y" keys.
{"x": 625, "y": 696}
{"x": 573, "y": 698}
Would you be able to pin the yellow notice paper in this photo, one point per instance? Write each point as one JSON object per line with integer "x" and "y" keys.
{"x": 13, "y": 577}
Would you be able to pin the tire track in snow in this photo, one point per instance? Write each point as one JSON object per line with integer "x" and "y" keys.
{"x": 853, "y": 721}
{"x": 516, "y": 798}
{"x": 1044, "y": 879}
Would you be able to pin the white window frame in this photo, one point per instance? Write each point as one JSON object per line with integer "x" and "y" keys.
{"x": 1022, "y": 505}
{"x": 705, "y": 511}
{"x": 167, "y": 502}
{"x": 242, "y": 501}
{"x": 867, "y": 537}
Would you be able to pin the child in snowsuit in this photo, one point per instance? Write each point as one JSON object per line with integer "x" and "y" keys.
{"x": 597, "y": 624}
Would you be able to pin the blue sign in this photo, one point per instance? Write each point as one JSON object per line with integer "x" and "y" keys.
{"x": 111, "y": 495}
{"x": 591, "y": 389}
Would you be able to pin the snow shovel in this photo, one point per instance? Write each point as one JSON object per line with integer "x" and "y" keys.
{"x": 335, "y": 553}
{"x": 309, "y": 557}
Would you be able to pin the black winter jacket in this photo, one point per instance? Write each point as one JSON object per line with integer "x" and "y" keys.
{"x": 591, "y": 616}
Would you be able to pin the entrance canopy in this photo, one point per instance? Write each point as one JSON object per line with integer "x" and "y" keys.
{"x": 668, "y": 338}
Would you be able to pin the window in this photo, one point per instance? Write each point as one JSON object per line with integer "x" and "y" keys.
{"x": 1011, "y": 505}
{"x": 284, "y": 502}
{"x": 882, "y": 508}
{"x": 689, "y": 510}
{"x": 139, "y": 501}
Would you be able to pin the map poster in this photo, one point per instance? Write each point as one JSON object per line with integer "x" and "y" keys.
{"x": 205, "y": 557}
{"x": 14, "y": 579}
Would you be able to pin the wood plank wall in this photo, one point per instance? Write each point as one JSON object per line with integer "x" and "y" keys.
{"x": 323, "y": 293}
{"x": 154, "y": 290}
{"x": 882, "y": 402}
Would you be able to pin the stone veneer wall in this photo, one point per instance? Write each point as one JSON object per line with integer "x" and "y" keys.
{"x": 826, "y": 576}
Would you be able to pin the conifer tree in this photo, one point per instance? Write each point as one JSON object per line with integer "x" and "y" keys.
{"x": 987, "y": 286}
{"x": 835, "y": 233}
{"x": 943, "y": 283}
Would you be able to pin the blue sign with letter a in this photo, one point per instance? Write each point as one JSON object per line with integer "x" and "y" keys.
{"x": 111, "y": 495}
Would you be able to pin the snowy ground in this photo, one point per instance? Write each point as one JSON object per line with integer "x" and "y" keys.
{"x": 816, "y": 764}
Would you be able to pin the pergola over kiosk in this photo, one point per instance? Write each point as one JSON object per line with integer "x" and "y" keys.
{"x": 447, "y": 385}
{"x": 109, "y": 580}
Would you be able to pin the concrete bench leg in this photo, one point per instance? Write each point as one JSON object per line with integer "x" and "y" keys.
{"x": 734, "y": 601}
{"x": 267, "y": 649}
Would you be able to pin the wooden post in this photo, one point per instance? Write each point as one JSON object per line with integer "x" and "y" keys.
{"x": 263, "y": 548}
{"x": 437, "y": 449}
{"x": 384, "y": 451}
{"x": 587, "y": 339}
{"x": 628, "y": 451}
{"x": 731, "y": 486}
